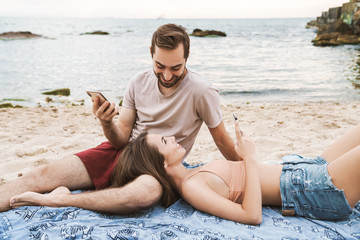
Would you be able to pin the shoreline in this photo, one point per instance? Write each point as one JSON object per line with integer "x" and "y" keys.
{"x": 33, "y": 136}
{"x": 68, "y": 102}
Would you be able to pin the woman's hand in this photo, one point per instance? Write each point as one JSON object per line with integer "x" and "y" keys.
{"x": 244, "y": 146}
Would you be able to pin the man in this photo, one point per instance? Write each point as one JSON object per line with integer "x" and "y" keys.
{"x": 170, "y": 99}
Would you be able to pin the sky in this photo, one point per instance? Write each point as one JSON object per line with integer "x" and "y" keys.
{"x": 167, "y": 8}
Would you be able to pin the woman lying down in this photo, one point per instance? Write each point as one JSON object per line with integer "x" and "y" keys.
{"x": 326, "y": 187}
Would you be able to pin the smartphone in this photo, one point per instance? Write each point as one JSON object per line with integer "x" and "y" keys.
{"x": 102, "y": 98}
{"x": 93, "y": 94}
{"x": 235, "y": 116}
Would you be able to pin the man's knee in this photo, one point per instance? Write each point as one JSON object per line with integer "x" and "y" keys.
{"x": 151, "y": 191}
{"x": 69, "y": 172}
{"x": 36, "y": 177}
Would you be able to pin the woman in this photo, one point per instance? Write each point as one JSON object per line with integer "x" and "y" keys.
{"x": 237, "y": 190}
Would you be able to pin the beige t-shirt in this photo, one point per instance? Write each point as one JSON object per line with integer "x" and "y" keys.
{"x": 180, "y": 114}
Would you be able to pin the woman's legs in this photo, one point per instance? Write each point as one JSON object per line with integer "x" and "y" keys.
{"x": 342, "y": 145}
{"x": 345, "y": 174}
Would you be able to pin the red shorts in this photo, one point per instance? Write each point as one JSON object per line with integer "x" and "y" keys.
{"x": 100, "y": 162}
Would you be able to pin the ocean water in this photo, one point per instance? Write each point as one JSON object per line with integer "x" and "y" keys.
{"x": 260, "y": 60}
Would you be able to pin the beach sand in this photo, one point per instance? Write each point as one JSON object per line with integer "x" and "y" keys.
{"x": 30, "y": 137}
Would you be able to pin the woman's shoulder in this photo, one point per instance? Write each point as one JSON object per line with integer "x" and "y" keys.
{"x": 192, "y": 182}
{"x": 192, "y": 189}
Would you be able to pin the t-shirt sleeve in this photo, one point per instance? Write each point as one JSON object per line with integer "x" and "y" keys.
{"x": 129, "y": 98}
{"x": 208, "y": 107}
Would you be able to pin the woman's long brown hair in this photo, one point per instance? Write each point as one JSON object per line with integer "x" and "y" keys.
{"x": 139, "y": 158}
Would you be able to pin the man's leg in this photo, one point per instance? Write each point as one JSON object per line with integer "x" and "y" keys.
{"x": 69, "y": 172}
{"x": 141, "y": 193}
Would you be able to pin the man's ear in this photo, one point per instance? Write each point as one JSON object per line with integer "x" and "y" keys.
{"x": 150, "y": 52}
{"x": 165, "y": 165}
{"x": 187, "y": 57}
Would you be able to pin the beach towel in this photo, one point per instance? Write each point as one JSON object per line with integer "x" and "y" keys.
{"x": 179, "y": 221}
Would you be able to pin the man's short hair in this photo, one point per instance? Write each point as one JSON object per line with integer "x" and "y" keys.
{"x": 169, "y": 36}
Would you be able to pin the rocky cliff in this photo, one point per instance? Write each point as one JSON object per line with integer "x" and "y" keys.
{"x": 339, "y": 25}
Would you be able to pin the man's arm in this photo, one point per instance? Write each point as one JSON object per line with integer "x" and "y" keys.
{"x": 118, "y": 134}
{"x": 224, "y": 142}
{"x": 141, "y": 193}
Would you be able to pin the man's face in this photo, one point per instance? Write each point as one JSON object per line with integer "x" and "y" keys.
{"x": 169, "y": 65}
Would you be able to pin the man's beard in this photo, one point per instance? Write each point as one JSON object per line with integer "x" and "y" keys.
{"x": 174, "y": 79}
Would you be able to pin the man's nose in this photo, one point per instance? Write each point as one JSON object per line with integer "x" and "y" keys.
{"x": 167, "y": 75}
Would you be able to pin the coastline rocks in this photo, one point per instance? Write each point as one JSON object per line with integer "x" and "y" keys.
{"x": 6, "y": 105}
{"x": 311, "y": 24}
{"x": 348, "y": 39}
{"x": 60, "y": 92}
{"x": 18, "y": 35}
{"x": 207, "y": 33}
{"x": 336, "y": 33}
{"x": 356, "y": 22}
{"x": 95, "y": 33}
{"x": 338, "y": 26}
{"x": 9, "y": 105}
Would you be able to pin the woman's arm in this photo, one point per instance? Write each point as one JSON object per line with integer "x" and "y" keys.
{"x": 199, "y": 194}
{"x": 224, "y": 142}
{"x": 245, "y": 148}
{"x": 252, "y": 201}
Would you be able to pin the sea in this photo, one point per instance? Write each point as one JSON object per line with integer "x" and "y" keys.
{"x": 259, "y": 61}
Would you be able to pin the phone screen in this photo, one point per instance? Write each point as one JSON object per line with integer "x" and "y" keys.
{"x": 93, "y": 94}
{"x": 102, "y": 98}
{"x": 235, "y": 116}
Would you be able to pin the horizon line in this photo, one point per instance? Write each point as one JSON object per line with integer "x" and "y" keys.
{"x": 157, "y": 18}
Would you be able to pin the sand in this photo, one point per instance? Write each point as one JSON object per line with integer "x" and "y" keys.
{"x": 30, "y": 137}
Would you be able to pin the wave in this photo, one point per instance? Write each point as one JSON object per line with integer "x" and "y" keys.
{"x": 258, "y": 92}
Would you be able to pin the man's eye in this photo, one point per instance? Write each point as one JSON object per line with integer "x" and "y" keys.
{"x": 160, "y": 67}
{"x": 175, "y": 69}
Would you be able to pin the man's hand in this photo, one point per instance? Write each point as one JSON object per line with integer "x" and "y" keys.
{"x": 106, "y": 112}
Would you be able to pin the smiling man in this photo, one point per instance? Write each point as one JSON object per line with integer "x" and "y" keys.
{"x": 169, "y": 77}
{"x": 168, "y": 99}
{"x": 161, "y": 48}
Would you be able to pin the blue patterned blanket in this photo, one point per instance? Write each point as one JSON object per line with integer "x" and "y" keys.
{"x": 179, "y": 221}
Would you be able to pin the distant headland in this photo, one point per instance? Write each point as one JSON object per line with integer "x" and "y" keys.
{"x": 338, "y": 25}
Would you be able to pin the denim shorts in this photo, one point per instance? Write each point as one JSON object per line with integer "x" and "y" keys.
{"x": 307, "y": 190}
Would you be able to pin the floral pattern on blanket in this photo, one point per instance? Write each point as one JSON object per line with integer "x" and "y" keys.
{"x": 179, "y": 221}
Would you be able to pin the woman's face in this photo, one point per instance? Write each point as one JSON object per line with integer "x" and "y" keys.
{"x": 168, "y": 147}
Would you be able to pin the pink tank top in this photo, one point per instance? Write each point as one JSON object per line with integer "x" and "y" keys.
{"x": 231, "y": 172}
